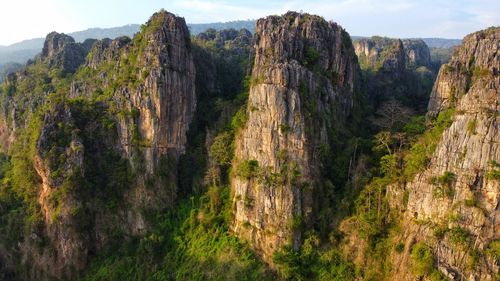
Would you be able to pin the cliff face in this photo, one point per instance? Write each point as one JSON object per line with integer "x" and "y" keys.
{"x": 60, "y": 50}
{"x": 396, "y": 69}
{"x": 407, "y": 52}
{"x": 302, "y": 88}
{"x": 59, "y": 162}
{"x": 152, "y": 81}
{"x": 108, "y": 142}
{"x": 458, "y": 194}
{"x": 98, "y": 152}
{"x": 417, "y": 52}
{"x": 381, "y": 53}
{"x": 162, "y": 105}
{"x": 474, "y": 59}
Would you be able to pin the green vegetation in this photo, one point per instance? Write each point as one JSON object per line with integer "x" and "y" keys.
{"x": 415, "y": 127}
{"x": 440, "y": 231}
{"x": 297, "y": 223}
{"x": 311, "y": 56}
{"x": 284, "y": 128}
{"x": 399, "y": 248}
{"x": 311, "y": 263}
{"x": 422, "y": 259}
{"x": 423, "y": 262}
{"x": 493, "y": 249}
{"x": 448, "y": 69}
{"x": 459, "y": 236}
{"x": 494, "y": 173}
{"x": 443, "y": 185}
{"x": 420, "y": 152}
{"x": 191, "y": 243}
{"x": 398, "y": 154}
{"x": 471, "y": 126}
{"x": 247, "y": 169}
{"x": 479, "y": 73}
{"x": 222, "y": 149}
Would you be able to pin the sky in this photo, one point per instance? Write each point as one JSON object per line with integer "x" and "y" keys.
{"x": 26, "y": 19}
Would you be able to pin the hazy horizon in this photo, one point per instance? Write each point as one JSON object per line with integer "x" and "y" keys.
{"x": 392, "y": 18}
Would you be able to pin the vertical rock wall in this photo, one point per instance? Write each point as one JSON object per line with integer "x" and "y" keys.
{"x": 302, "y": 88}
{"x": 458, "y": 192}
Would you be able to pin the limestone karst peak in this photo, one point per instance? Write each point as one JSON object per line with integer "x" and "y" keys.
{"x": 54, "y": 43}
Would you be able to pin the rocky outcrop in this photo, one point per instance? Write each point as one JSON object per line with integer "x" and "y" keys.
{"x": 106, "y": 50}
{"x": 453, "y": 205}
{"x": 60, "y": 163}
{"x": 55, "y": 43}
{"x": 303, "y": 80}
{"x": 159, "y": 111}
{"x": 235, "y": 40}
{"x": 392, "y": 54}
{"x": 60, "y": 50}
{"x": 417, "y": 52}
{"x": 475, "y": 58}
{"x": 396, "y": 69}
{"x": 61, "y": 55}
{"x": 99, "y": 53}
{"x": 105, "y": 163}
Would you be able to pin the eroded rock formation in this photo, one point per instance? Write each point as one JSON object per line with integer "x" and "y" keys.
{"x": 458, "y": 194}
{"x": 104, "y": 163}
{"x": 396, "y": 69}
{"x": 303, "y": 81}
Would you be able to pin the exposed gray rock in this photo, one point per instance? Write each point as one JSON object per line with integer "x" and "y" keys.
{"x": 290, "y": 109}
{"x": 468, "y": 201}
{"x": 396, "y": 69}
{"x": 61, "y": 51}
{"x": 417, "y": 52}
{"x": 477, "y": 56}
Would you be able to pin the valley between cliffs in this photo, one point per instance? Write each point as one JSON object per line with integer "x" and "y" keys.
{"x": 292, "y": 153}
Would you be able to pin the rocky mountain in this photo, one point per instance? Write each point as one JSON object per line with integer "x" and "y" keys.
{"x": 289, "y": 154}
{"x": 441, "y": 199}
{"x": 440, "y": 43}
{"x": 138, "y": 141}
{"x": 304, "y": 77}
{"x": 395, "y": 68}
{"x": 23, "y": 51}
{"x": 457, "y": 195}
{"x": 416, "y": 52}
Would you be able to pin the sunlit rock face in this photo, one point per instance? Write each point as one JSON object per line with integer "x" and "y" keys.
{"x": 302, "y": 87}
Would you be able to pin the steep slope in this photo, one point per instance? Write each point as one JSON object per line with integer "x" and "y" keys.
{"x": 303, "y": 82}
{"x": 430, "y": 210}
{"x": 104, "y": 142}
{"x": 396, "y": 69}
{"x": 385, "y": 52}
{"x": 458, "y": 193}
{"x": 154, "y": 158}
